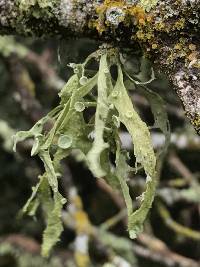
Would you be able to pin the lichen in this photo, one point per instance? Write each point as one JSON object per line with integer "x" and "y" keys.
{"x": 148, "y": 4}
{"x": 128, "y": 14}
{"x": 196, "y": 123}
{"x": 145, "y": 22}
{"x": 30, "y": 12}
{"x": 115, "y": 15}
{"x": 150, "y": 21}
{"x": 73, "y": 14}
{"x": 25, "y": 5}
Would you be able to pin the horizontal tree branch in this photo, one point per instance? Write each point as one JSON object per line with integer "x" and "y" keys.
{"x": 167, "y": 31}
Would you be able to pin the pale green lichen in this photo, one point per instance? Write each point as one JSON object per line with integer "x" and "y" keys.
{"x": 71, "y": 132}
{"x": 148, "y": 4}
{"x": 99, "y": 145}
{"x": 25, "y": 5}
{"x": 31, "y": 11}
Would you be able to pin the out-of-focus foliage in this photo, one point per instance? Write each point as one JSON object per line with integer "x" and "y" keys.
{"x": 11, "y": 256}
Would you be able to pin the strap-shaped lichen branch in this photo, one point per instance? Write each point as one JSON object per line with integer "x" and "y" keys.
{"x": 95, "y": 140}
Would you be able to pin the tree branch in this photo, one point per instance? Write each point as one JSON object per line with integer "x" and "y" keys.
{"x": 166, "y": 31}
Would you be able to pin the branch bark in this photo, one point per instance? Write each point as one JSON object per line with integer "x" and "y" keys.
{"x": 167, "y": 31}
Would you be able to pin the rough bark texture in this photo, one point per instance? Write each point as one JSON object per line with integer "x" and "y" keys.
{"x": 167, "y": 31}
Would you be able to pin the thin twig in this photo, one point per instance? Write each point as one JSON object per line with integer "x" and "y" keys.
{"x": 176, "y": 227}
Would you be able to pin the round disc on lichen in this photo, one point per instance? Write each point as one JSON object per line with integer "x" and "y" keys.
{"x": 79, "y": 106}
{"x": 64, "y": 141}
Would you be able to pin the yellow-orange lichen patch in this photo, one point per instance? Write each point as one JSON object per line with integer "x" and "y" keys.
{"x": 179, "y": 24}
{"x": 196, "y": 123}
{"x": 82, "y": 222}
{"x": 126, "y": 13}
{"x": 192, "y": 47}
{"x": 148, "y": 27}
{"x": 192, "y": 56}
{"x": 154, "y": 46}
{"x": 82, "y": 260}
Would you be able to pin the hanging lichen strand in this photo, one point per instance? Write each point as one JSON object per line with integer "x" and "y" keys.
{"x": 94, "y": 140}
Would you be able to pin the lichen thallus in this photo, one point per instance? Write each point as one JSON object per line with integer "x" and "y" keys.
{"x": 94, "y": 139}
